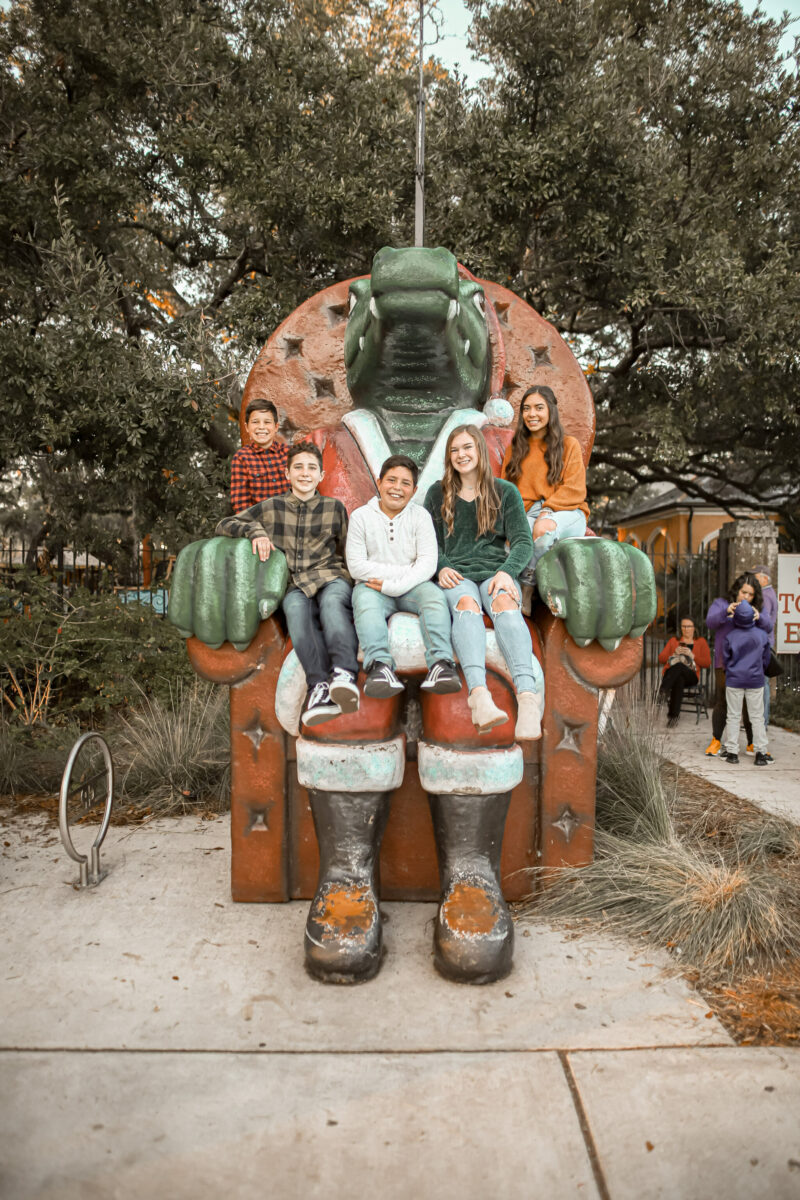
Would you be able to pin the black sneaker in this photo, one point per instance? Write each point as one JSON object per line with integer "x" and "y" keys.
{"x": 319, "y": 706}
{"x": 441, "y": 679}
{"x": 344, "y": 689}
{"x": 762, "y": 760}
{"x": 381, "y": 682}
{"x": 729, "y": 758}
{"x": 768, "y": 756}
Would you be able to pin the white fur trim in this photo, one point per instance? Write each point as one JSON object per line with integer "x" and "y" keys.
{"x": 443, "y": 771}
{"x": 338, "y": 767}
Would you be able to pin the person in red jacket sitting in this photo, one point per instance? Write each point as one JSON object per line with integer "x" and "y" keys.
{"x": 683, "y": 658}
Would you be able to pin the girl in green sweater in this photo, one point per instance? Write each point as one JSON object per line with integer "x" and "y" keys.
{"x": 484, "y": 543}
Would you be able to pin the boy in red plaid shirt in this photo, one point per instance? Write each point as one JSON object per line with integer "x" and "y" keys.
{"x": 258, "y": 470}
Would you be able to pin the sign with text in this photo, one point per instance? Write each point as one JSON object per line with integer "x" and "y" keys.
{"x": 787, "y": 633}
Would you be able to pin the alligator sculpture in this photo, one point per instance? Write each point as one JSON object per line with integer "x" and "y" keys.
{"x": 371, "y": 366}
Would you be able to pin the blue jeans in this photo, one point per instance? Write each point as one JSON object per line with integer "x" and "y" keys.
{"x": 322, "y": 631}
{"x": 513, "y": 638}
{"x": 372, "y": 610}
{"x": 571, "y": 523}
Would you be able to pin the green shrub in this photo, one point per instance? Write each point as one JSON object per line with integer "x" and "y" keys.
{"x": 75, "y": 654}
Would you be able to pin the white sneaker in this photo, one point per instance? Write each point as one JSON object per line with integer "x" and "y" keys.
{"x": 344, "y": 689}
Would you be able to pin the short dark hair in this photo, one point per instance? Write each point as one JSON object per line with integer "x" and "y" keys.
{"x": 260, "y": 404}
{"x": 400, "y": 460}
{"x": 303, "y": 448}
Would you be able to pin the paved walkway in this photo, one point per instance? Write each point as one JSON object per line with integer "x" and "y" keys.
{"x": 775, "y": 788}
{"x": 158, "y": 1039}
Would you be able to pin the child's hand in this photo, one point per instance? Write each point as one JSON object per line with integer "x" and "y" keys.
{"x": 448, "y": 577}
{"x": 376, "y": 584}
{"x": 263, "y": 547}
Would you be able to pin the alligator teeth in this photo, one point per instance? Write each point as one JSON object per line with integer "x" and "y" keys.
{"x": 373, "y": 308}
{"x": 453, "y": 310}
{"x": 353, "y": 301}
{"x": 361, "y": 343}
{"x": 466, "y": 346}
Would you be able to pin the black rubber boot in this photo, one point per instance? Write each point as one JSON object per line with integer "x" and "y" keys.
{"x": 344, "y": 939}
{"x": 474, "y": 935}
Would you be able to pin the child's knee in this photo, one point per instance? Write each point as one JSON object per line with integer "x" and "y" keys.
{"x": 468, "y": 604}
{"x": 502, "y": 602}
{"x": 543, "y": 526}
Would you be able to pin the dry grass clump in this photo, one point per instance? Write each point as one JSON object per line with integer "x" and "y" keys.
{"x": 722, "y": 895}
{"x": 175, "y": 754}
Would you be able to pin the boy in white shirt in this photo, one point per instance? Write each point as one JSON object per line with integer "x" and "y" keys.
{"x": 392, "y": 555}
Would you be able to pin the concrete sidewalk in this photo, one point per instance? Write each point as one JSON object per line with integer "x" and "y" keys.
{"x": 159, "y": 1039}
{"x": 775, "y": 788}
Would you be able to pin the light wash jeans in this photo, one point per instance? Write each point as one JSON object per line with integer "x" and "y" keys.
{"x": 469, "y": 638}
{"x": 568, "y": 524}
{"x": 755, "y": 707}
{"x": 372, "y": 610}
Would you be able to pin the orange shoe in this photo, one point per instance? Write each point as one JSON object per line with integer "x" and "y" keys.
{"x": 714, "y": 747}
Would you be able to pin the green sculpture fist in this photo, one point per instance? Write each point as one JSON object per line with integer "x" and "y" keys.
{"x": 602, "y": 589}
{"x": 221, "y": 591}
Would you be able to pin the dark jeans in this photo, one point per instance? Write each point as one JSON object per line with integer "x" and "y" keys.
{"x": 719, "y": 713}
{"x": 322, "y": 630}
{"x": 675, "y": 679}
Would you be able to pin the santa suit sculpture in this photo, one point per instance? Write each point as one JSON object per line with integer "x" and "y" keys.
{"x": 388, "y": 364}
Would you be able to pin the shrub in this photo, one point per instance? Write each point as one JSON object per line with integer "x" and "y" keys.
{"x": 175, "y": 753}
{"x": 75, "y": 654}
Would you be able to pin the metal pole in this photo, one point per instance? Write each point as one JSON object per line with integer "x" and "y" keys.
{"x": 419, "y": 167}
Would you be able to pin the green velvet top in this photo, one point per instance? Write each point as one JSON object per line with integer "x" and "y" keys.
{"x": 508, "y": 547}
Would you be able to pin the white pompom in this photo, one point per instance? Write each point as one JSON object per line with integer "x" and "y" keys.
{"x": 498, "y": 412}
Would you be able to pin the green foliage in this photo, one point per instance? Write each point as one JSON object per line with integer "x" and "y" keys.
{"x": 176, "y": 178}
{"x": 633, "y": 173}
{"x": 80, "y": 654}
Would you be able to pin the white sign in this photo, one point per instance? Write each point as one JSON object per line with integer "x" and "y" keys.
{"x": 787, "y": 633}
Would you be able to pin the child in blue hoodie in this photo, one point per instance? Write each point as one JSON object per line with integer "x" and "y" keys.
{"x": 746, "y": 656}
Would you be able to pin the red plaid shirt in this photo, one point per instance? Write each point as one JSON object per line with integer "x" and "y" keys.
{"x": 257, "y": 474}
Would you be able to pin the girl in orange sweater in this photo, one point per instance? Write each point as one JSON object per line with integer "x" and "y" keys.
{"x": 547, "y": 467}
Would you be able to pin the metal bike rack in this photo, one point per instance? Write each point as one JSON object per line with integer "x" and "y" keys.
{"x": 87, "y": 789}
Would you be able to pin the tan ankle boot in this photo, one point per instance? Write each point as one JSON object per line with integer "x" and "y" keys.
{"x": 530, "y": 706}
{"x": 485, "y": 713}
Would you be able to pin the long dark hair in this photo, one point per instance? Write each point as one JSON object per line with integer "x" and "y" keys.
{"x": 487, "y": 501}
{"x": 749, "y": 578}
{"x": 553, "y": 439}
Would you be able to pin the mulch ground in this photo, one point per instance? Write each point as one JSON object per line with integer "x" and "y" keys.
{"x": 757, "y": 1009}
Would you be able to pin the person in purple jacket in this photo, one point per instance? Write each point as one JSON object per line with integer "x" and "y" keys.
{"x": 770, "y": 609}
{"x": 719, "y": 620}
{"x": 745, "y": 656}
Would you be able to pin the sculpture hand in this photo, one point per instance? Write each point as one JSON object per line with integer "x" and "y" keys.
{"x": 602, "y": 589}
{"x": 221, "y": 590}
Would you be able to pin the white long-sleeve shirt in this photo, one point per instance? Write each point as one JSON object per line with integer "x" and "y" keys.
{"x": 401, "y": 550}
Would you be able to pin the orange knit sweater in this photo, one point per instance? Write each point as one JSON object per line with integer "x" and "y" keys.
{"x": 568, "y": 493}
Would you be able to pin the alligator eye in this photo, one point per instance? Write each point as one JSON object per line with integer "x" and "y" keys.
{"x": 353, "y": 301}
{"x": 477, "y": 300}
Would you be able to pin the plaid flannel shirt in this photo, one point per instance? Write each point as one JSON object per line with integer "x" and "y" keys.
{"x": 257, "y": 473}
{"x": 311, "y": 533}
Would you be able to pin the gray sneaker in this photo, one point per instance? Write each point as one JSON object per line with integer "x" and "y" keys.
{"x": 442, "y": 678}
{"x": 381, "y": 682}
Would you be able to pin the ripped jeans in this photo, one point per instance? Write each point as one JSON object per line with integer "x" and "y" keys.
{"x": 568, "y": 524}
{"x": 513, "y": 638}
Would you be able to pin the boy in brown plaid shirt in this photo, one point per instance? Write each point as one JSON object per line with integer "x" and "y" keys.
{"x": 310, "y": 530}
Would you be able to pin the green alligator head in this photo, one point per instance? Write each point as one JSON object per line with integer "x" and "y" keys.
{"x": 416, "y": 345}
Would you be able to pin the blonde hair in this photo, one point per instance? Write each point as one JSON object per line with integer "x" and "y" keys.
{"x": 487, "y": 500}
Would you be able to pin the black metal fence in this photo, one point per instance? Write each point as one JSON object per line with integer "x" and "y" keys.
{"x": 143, "y": 575}
{"x": 686, "y": 585}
